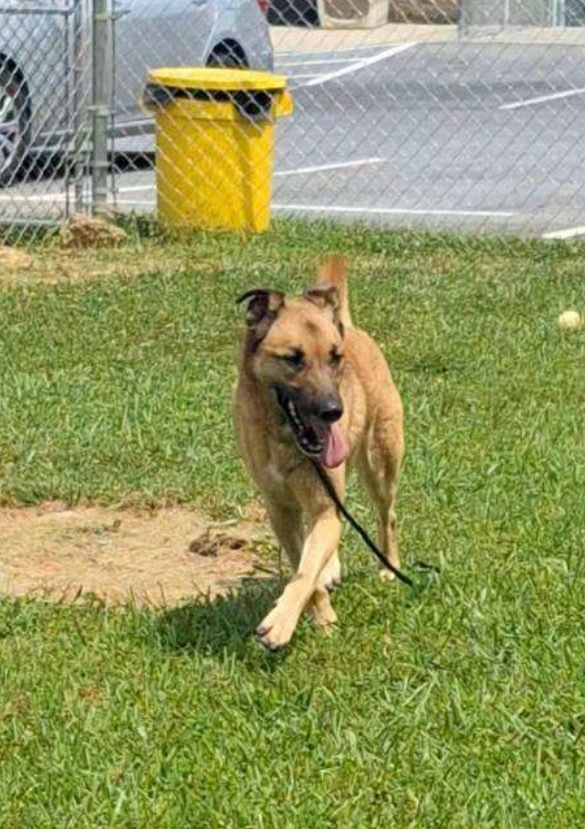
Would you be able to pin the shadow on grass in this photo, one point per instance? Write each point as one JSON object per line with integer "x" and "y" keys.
{"x": 225, "y": 625}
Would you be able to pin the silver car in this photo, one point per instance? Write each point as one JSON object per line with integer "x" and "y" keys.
{"x": 46, "y": 61}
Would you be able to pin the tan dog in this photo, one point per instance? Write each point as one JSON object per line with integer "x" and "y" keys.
{"x": 312, "y": 386}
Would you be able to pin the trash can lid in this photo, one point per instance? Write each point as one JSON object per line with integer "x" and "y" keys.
{"x": 219, "y": 80}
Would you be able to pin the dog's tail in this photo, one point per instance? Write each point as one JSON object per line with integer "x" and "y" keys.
{"x": 334, "y": 272}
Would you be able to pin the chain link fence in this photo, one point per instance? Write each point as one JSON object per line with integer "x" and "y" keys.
{"x": 44, "y": 98}
{"x": 466, "y": 116}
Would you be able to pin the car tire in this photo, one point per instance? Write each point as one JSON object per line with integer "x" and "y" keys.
{"x": 14, "y": 124}
{"x": 302, "y": 13}
{"x": 227, "y": 56}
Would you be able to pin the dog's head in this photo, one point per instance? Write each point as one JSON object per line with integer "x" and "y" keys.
{"x": 295, "y": 349}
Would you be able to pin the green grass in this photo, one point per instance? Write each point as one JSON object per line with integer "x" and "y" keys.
{"x": 459, "y": 704}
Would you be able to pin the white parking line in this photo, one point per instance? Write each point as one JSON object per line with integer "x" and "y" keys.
{"x": 136, "y": 188}
{"x": 543, "y": 99}
{"x": 316, "y": 208}
{"x": 57, "y": 197}
{"x": 342, "y": 165}
{"x": 372, "y": 47}
{"x": 314, "y": 62}
{"x": 389, "y": 211}
{"x": 568, "y": 233}
{"x": 136, "y": 202}
{"x": 360, "y": 64}
{"x": 9, "y": 198}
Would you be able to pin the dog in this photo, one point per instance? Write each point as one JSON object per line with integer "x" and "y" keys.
{"x": 311, "y": 387}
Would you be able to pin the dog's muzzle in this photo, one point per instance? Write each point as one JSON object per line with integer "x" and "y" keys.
{"x": 316, "y": 432}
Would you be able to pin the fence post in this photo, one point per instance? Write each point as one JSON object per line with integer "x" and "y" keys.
{"x": 99, "y": 106}
{"x": 75, "y": 168}
{"x": 461, "y": 22}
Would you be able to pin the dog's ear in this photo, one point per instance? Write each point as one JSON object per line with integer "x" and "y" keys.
{"x": 326, "y": 297}
{"x": 262, "y": 308}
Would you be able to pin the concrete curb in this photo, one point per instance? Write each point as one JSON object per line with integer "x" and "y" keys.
{"x": 292, "y": 39}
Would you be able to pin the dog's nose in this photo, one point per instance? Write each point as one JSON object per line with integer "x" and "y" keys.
{"x": 329, "y": 409}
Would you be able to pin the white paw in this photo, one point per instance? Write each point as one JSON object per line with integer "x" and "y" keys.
{"x": 276, "y": 629}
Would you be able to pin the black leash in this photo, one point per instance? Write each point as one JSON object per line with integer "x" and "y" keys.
{"x": 326, "y": 481}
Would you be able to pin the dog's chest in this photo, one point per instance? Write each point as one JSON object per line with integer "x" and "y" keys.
{"x": 272, "y": 465}
{"x": 275, "y": 479}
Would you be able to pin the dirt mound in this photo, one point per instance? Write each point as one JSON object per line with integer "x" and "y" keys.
{"x": 160, "y": 557}
{"x": 81, "y": 232}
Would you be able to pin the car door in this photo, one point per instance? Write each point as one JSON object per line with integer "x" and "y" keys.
{"x": 153, "y": 33}
{"x": 34, "y": 40}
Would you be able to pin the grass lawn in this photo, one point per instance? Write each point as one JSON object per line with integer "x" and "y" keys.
{"x": 458, "y": 704}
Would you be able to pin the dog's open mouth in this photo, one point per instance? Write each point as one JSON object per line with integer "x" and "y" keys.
{"x": 322, "y": 441}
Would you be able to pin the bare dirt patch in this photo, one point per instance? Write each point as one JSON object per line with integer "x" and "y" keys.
{"x": 53, "y": 263}
{"x": 159, "y": 557}
{"x": 13, "y": 259}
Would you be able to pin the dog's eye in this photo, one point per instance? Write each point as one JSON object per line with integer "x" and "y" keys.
{"x": 296, "y": 358}
{"x": 336, "y": 357}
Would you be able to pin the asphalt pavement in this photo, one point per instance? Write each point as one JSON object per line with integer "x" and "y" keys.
{"x": 446, "y": 135}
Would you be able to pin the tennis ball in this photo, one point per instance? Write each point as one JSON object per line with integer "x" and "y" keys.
{"x": 570, "y": 321}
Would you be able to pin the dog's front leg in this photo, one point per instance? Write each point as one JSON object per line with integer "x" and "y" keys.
{"x": 320, "y": 544}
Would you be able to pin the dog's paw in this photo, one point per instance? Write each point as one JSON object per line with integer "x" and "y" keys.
{"x": 324, "y": 616}
{"x": 331, "y": 574}
{"x": 276, "y": 630}
{"x": 321, "y": 609}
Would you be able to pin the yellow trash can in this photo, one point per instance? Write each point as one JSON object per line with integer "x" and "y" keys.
{"x": 215, "y": 145}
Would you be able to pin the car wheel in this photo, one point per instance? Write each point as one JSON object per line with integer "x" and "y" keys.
{"x": 14, "y": 124}
{"x": 303, "y": 13}
{"x": 227, "y": 56}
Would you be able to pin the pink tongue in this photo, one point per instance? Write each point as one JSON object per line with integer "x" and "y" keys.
{"x": 336, "y": 449}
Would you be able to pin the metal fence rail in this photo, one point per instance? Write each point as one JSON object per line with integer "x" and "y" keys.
{"x": 466, "y": 116}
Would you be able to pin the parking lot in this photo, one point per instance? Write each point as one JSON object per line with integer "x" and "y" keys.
{"x": 451, "y": 135}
